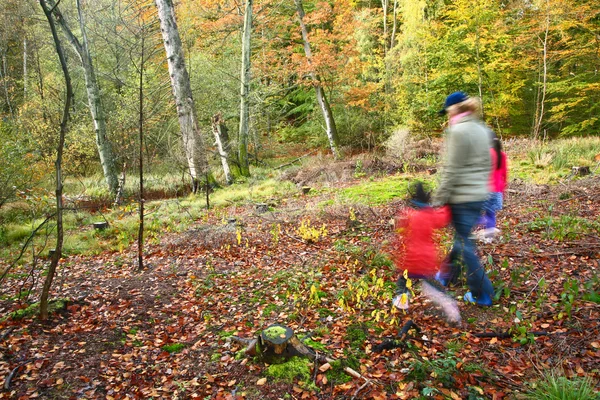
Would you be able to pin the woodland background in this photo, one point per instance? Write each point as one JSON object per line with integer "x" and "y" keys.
{"x": 325, "y": 113}
{"x": 382, "y": 65}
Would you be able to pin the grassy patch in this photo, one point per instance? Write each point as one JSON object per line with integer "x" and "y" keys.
{"x": 555, "y": 387}
{"x": 174, "y": 215}
{"x": 376, "y": 192}
{"x": 564, "y": 227}
{"x": 547, "y": 162}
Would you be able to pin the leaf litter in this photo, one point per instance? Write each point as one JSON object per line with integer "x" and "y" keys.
{"x": 210, "y": 283}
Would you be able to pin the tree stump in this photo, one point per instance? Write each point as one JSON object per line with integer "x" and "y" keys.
{"x": 100, "y": 225}
{"x": 278, "y": 343}
{"x": 262, "y": 208}
{"x": 581, "y": 171}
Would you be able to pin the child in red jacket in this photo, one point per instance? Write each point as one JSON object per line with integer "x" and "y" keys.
{"x": 417, "y": 254}
{"x": 498, "y": 183}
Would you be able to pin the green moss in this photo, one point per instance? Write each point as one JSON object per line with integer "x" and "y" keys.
{"x": 274, "y": 332}
{"x": 356, "y": 335}
{"x": 336, "y": 375}
{"x": 313, "y": 344}
{"x": 173, "y": 347}
{"x": 34, "y": 309}
{"x": 295, "y": 368}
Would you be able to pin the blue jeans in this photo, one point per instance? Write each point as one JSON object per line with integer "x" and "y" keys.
{"x": 464, "y": 218}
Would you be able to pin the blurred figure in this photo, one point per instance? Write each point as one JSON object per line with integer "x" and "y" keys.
{"x": 464, "y": 186}
{"x": 417, "y": 255}
{"x": 498, "y": 183}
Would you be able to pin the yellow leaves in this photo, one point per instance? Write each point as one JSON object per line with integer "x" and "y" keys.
{"x": 314, "y": 297}
{"x": 309, "y": 233}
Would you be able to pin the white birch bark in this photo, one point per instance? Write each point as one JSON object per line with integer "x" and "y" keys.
{"x": 244, "y": 91}
{"x": 182, "y": 91}
{"x": 222, "y": 145}
{"x": 330, "y": 127}
{"x": 105, "y": 151}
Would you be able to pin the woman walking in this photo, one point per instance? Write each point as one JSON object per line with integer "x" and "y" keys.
{"x": 464, "y": 187}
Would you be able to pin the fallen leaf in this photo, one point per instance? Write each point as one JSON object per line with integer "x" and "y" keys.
{"x": 324, "y": 367}
{"x": 261, "y": 381}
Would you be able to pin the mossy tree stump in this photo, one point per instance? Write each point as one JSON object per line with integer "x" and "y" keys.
{"x": 278, "y": 343}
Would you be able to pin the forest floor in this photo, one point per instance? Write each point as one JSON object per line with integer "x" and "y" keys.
{"x": 165, "y": 331}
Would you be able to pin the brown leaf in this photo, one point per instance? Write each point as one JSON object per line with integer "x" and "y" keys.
{"x": 324, "y": 367}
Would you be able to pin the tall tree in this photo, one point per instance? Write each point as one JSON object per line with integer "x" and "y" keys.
{"x": 330, "y": 127}
{"x": 542, "y": 86}
{"x": 182, "y": 90}
{"x": 59, "y": 152}
{"x": 244, "y": 92}
{"x": 107, "y": 158}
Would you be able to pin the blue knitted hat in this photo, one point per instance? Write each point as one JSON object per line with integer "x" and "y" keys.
{"x": 452, "y": 99}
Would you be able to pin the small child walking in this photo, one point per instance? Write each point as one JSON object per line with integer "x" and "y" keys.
{"x": 417, "y": 254}
{"x": 498, "y": 183}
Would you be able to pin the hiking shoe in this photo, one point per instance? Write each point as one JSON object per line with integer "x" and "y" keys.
{"x": 401, "y": 301}
{"x": 483, "y": 300}
{"x": 486, "y": 235}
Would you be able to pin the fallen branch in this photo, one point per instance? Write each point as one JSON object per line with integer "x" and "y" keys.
{"x": 293, "y": 161}
{"x": 360, "y": 388}
{"x": 13, "y": 373}
{"x": 399, "y": 340}
{"x": 6, "y": 333}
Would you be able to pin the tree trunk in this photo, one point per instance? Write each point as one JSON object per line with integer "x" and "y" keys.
{"x": 539, "y": 106}
{"x": 182, "y": 91}
{"x": 384, "y": 6}
{"x": 394, "y": 26}
{"x": 105, "y": 151}
{"x": 222, "y": 140}
{"x": 63, "y": 130}
{"x": 331, "y": 129}
{"x": 141, "y": 159}
{"x": 24, "y": 69}
{"x": 244, "y": 92}
{"x": 4, "y": 76}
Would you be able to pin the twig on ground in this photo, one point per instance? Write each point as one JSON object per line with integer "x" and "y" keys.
{"x": 13, "y": 373}
{"x": 360, "y": 388}
{"x": 6, "y": 333}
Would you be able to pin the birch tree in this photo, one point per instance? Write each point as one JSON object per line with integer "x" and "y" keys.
{"x": 244, "y": 91}
{"x": 180, "y": 81}
{"x": 107, "y": 159}
{"x": 330, "y": 127}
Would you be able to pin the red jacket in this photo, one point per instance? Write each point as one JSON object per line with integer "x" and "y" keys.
{"x": 498, "y": 176}
{"x": 415, "y": 247}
